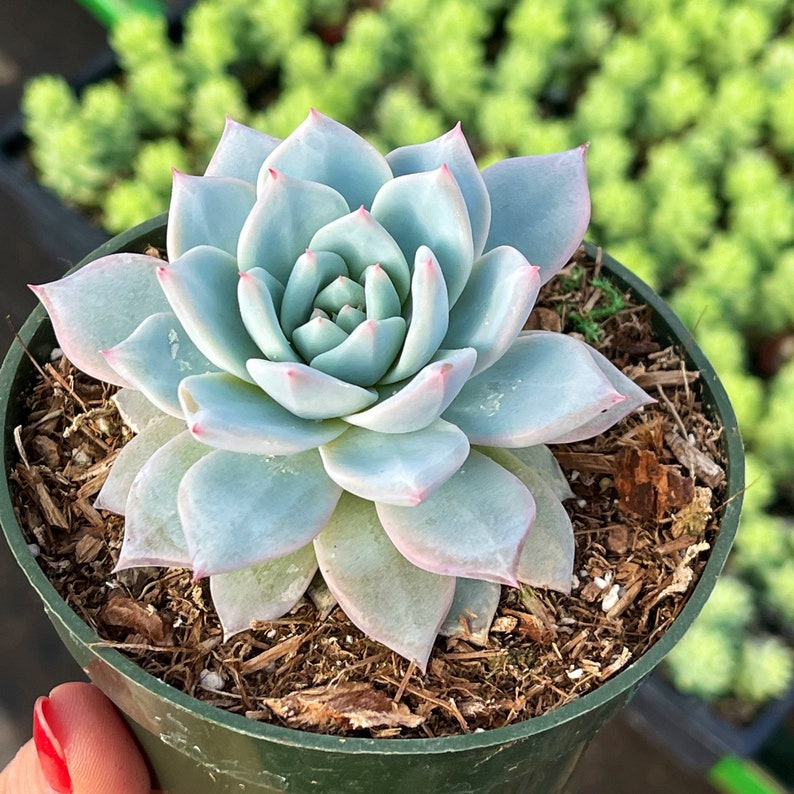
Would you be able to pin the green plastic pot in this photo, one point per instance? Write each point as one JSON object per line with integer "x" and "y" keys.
{"x": 193, "y": 747}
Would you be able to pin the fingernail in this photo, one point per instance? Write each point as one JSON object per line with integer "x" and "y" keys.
{"x": 50, "y": 752}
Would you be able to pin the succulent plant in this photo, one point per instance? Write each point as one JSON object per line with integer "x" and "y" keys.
{"x": 329, "y": 372}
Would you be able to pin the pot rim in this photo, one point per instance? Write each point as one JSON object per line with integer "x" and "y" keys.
{"x": 627, "y": 679}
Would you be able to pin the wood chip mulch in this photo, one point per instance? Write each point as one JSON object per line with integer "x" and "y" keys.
{"x": 648, "y": 497}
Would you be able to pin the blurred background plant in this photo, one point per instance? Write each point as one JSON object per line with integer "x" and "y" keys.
{"x": 689, "y": 108}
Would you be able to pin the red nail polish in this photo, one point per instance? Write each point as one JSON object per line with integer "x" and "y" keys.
{"x": 51, "y": 757}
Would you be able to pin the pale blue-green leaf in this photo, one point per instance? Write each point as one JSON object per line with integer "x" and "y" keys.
{"x": 307, "y": 392}
{"x": 99, "y": 305}
{"x": 262, "y": 592}
{"x": 548, "y": 555}
{"x": 494, "y": 305}
{"x": 201, "y": 287}
{"x": 207, "y": 210}
{"x": 316, "y": 337}
{"x": 398, "y": 468}
{"x": 429, "y": 320}
{"x": 452, "y": 150}
{"x": 323, "y": 150}
{"x": 287, "y": 213}
{"x": 349, "y": 319}
{"x": 472, "y": 611}
{"x": 259, "y": 313}
{"x": 361, "y": 241}
{"x": 241, "y": 510}
{"x": 313, "y": 271}
{"x": 134, "y": 409}
{"x": 230, "y": 414}
{"x": 381, "y": 298}
{"x": 388, "y": 598}
{"x": 342, "y": 291}
{"x": 635, "y": 398}
{"x": 474, "y": 525}
{"x": 155, "y": 358}
{"x": 428, "y": 209}
{"x": 544, "y": 386}
{"x": 131, "y": 458}
{"x": 240, "y": 152}
{"x": 540, "y": 205}
{"x": 410, "y": 406}
{"x": 366, "y": 354}
{"x": 152, "y": 531}
{"x": 540, "y": 459}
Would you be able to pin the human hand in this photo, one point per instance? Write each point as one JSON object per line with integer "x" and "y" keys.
{"x": 80, "y": 745}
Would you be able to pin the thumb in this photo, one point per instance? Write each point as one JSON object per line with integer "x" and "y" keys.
{"x": 81, "y": 746}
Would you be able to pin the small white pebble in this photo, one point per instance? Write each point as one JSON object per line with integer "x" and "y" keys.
{"x": 611, "y": 598}
{"x": 575, "y": 582}
{"x": 103, "y": 425}
{"x": 600, "y": 582}
{"x": 349, "y": 639}
{"x": 581, "y": 503}
{"x": 576, "y": 674}
{"x": 583, "y": 573}
{"x": 211, "y": 680}
{"x": 56, "y": 354}
{"x": 270, "y": 634}
{"x": 574, "y": 475}
{"x": 34, "y": 549}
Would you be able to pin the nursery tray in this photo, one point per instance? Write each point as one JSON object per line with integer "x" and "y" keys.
{"x": 693, "y": 732}
{"x": 60, "y": 232}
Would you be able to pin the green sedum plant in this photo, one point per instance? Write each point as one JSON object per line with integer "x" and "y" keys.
{"x": 328, "y": 373}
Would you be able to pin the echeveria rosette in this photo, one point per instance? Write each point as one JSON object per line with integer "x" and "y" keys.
{"x": 310, "y": 372}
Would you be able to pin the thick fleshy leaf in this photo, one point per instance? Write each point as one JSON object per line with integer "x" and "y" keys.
{"x": 548, "y": 555}
{"x": 323, "y": 150}
{"x": 152, "y": 530}
{"x": 366, "y": 354}
{"x": 452, "y": 150}
{"x": 399, "y": 468}
{"x": 361, "y": 241}
{"x": 540, "y": 459}
{"x": 134, "y": 409}
{"x": 545, "y": 385}
{"x": 381, "y": 298}
{"x": 387, "y": 597}
{"x": 472, "y": 611}
{"x": 240, "y": 152}
{"x": 287, "y": 213}
{"x": 307, "y": 392}
{"x": 241, "y": 510}
{"x": 313, "y": 271}
{"x": 155, "y": 358}
{"x": 97, "y": 306}
{"x": 540, "y": 205}
{"x": 411, "y": 406}
{"x": 259, "y": 313}
{"x": 262, "y": 592}
{"x": 349, "y": 319}
{"x": 474, "y": 525}
{"x": 494, "y": 305}
{"x": 207, "y": 210}
{"x": 428, "y": 209}
{"x": 201, "y": 287}
{"x": 229, "y": 414}
{"x": 316, "y": 337}
{"x": 131, "y": 459}
{"x": 635, "y": 398}
{"x": 429, "y": 317}
{"x": 342, "y": 291}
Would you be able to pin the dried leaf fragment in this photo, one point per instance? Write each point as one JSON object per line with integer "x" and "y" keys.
{"x": 693, "y": 518}
{"x": 350, "y": 706}
{"x": 127, "y": 613}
